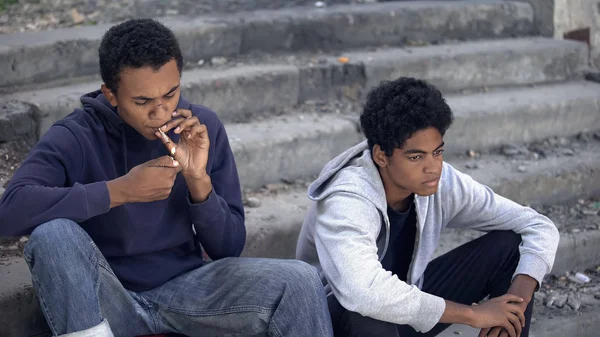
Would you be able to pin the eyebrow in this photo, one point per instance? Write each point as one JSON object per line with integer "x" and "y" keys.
{"x": 411, "y": 151}
{"x": 144, "y": 98}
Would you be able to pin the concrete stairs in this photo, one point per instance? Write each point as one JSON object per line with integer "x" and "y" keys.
{"x": 505, "y": 85}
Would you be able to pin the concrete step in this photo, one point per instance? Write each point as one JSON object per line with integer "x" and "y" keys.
{"x": 36, "y": 57}
{"x": 264, "y": 86}
{"x": 297, "y": 146}
{"x": 273, "y": 228}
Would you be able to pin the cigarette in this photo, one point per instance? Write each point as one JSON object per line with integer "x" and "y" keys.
{"x": 167, "y": 141}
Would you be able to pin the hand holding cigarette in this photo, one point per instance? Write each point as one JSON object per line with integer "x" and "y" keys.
{"x": 191, "y": 152}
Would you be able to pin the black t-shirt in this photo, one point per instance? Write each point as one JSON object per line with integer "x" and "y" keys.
{"x": 403, "y": 231}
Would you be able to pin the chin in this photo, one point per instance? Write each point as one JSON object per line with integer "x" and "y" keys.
{"x": 427, "y": 192}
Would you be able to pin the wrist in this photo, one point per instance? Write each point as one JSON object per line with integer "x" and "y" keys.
{"x": 199, "y": 188}
{"x": 117, "y": 192}
{"x": 469, "y": 316}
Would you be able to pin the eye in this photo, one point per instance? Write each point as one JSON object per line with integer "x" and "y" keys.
{"x": 415, "y": 158}
{"x": 438, "y": 152}
{"x": 141, "y": 104}
{"x": 170, "y": 95}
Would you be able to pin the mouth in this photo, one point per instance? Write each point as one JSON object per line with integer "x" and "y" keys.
{"x": 432, "y": 182}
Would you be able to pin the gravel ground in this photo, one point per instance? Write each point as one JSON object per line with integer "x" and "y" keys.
{"x": 35, "y": 15}
{"x": 569, "y": 294}
{"x": 12, "y": 155}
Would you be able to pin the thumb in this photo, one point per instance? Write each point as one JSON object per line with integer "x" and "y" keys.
{"x": 164, "y": 161}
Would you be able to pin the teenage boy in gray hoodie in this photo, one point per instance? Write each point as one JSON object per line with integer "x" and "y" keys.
{"x": 375, "y": 220}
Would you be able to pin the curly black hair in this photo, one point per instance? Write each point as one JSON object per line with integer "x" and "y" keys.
{"x": 136, "y": 43}
{"x": 396, "y": 109}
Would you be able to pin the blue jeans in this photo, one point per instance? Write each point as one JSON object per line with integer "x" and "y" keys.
{"x": 81, "y": 296}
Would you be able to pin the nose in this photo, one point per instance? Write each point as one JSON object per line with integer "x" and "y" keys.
{"x": 432, "y": 165}
{"x": 160, "y": 112}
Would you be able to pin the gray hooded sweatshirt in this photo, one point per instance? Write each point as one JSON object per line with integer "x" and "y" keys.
{"x": 346, "y": 234}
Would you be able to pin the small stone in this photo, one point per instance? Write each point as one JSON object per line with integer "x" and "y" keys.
{"x": 201, "y": 63}
{"x": 584, "y": 137}
{"x": 457, "y": 333}
{"x": 522, "y": 168}
{"x": 472, "y": 154}
{"x": 563, "y": 141}
{"x": 253, "y": 202}
{"x": 276, "y": 187}
{"x": 320, "y": 4}
{"x": 568, "y": 152}
{"x": 218, "y": 61}
{"x": 511, "y": 150}
{"x": 322, "y": 61}
{"x": 23, "y": 239}
{"x": 588, "y": 211}
{"x": 472, "y": 166}
{"x": 589, "y": 299}
{"x": 597, "y": 296}
{"x": 574, "y": 302}
{"x": 541, "y": 297}
{"x": 560, "y": 301}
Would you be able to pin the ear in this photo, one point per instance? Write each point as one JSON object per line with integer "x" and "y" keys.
{"x": 110, "y": 96}
{"x": 379, "y": 156}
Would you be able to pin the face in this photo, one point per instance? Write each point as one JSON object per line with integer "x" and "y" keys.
{"x": 415, "y": 168}
{"x": 146, "y": 98}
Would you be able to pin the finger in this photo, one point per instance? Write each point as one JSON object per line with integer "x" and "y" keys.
{"x": 172, "y": 124}
{"x": 495, "y": 332}
{"x": 187, "y": 124}
{"x": 197, "y": 130}
{"x": 504, "y": 333}
{"x": 511, "y": 298}
{"x": 484, "y": 332}
{"x": 510, "y": 329}
{"x": 514, "y": 320}
{"x": 521, "y": 315}
{"x": 166, "y": 141}
{"x": 164, "y": 161}
{"x": 183, "y": 112}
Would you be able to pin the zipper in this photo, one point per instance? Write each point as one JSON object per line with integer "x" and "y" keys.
{"x": 387, "y": 236}
{"x": 417, "y": 241}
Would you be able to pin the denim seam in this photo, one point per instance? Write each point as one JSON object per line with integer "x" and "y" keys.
{"x": 221, "y": 311}
{"x": 43, "y": 305}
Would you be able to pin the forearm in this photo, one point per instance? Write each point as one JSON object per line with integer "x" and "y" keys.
{"x": 523, "y": 286}
{"x": 456, "y": 313}
{"x": 31, "y": 205}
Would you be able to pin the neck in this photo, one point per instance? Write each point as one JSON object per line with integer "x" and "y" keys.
{"x": 398, "y": 198}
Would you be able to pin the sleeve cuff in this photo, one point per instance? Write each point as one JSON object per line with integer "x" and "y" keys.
{"x": 203, "y": 212}
{"x": 532, "y": 265}
{"x": 430, "y": 312}
{"x": 97, "y": 199}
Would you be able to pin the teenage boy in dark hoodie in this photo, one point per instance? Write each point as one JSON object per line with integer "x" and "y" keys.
{"x": 375, "y": 221}
{"x": 117, "y": 224}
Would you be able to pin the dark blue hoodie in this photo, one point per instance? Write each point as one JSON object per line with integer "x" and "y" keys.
{"x": 146, "y": 244}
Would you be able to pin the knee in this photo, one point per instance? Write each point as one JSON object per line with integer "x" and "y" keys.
{"x": 52, "y": 236}
{"x": 300, "y": 271}
{"x": 506, "y": 239}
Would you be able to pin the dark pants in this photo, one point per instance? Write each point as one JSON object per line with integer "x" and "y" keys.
{"x": 466, "y": 275}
